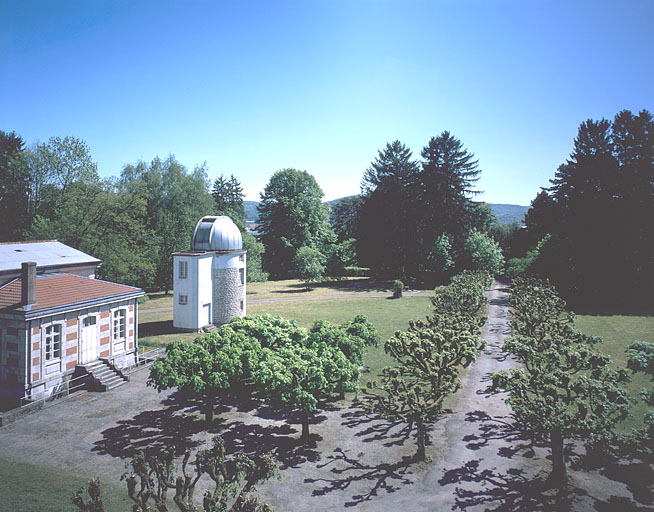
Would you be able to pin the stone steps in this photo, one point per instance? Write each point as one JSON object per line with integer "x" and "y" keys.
{"x": 104, "y": 375}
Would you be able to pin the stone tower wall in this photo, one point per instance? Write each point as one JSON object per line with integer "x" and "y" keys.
{"x": 228, "y": 293}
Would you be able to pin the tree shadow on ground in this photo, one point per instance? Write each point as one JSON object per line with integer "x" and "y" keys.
{"x": 158, "y": 328}
{"x": 394, "y": 433}
{"x": 514, "y": 489}
{"x": 357, "y": 285}
{"x": 636, "y": 475}
{"x": 152, "y": 431}
{"x": 349, "y": 470}
{"x": 343, "y": 469}
{"x": 497, "y": 491}
{"x": 283, "y": 440}
{"x": 477, "y": 485}
{"x": 180, "y": 425}
{"x": 491, "y": 429}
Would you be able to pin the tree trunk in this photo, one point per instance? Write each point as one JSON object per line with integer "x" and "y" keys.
{"x": 558, "y": 476}
{"x": 421, "y": 436}
{"x": 305, "y": 426}
{"x": 210, "y": 401}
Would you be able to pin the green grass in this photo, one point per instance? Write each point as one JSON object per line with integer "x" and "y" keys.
{"x": 291, "y": 288}
{"x": 28, "y": 488}
{"x": 618, "y": 332}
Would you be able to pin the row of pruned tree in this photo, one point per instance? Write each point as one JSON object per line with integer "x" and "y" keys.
{"x": 284, "y": 364}
{"x": 429, "y": 357}
{"x": 566, "y": 389}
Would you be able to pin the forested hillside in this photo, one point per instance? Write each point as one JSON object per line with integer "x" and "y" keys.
{"x": 505, "y": 213}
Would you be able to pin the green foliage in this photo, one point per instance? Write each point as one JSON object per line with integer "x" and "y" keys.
{"x": 415, "y": 215}
{"x": 290, "y": 367}
{"x": 465, "y": 295}
{"x": 398, "y": 289}
{"x": 440, "y": 256}
{"x": 255, "y": 273}
{"x": 309, "y": 265}
{"x": 598, "y": 212}
{"x": 429, "y": 357}
{"x": 291, "y": 215}
{"x": 14, "y": 187}
{"x": 565, "y": 389}
{"x": 483, "y": 253}
{"x": 342, "y": 256}
{"x": 384, "y": 243}
{"x": 640, "y": 356}
{"x": 228, "y": 194}
{"x": 344, "y": 217}
{"x": 351, "y": 338}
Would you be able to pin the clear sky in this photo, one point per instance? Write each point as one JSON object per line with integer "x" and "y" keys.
{"x": 252, "y": 87}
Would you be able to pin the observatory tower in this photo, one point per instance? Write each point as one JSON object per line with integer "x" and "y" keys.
{"x": 209, "y": 280}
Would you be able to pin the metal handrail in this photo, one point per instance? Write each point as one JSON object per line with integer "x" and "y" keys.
{"x": 66, "y": 389}
{"x": 70, "y": 386}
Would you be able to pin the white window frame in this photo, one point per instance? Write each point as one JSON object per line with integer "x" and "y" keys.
{"x": 183, "y": 269}
{"x": 241, "y": 275}
{"x": 118, "y": 327}
{"x": 183, "y": 299}
{"x": 51, "y": 346}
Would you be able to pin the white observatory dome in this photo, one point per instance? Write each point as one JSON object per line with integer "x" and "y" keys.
{"x": 216, "y": 234}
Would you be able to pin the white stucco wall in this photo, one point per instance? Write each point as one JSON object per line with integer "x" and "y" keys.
{"x": 210, "y": 299}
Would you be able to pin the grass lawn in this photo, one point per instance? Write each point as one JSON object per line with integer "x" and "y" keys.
{"x": 618, "y": 332}
{"x": 291, "y": 288}
{"x": 49, "y": 490}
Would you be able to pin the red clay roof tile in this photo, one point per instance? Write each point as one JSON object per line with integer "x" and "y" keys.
{"x": 61, "y": 290}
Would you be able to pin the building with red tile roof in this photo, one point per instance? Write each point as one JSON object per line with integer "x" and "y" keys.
{"x": 53, "y": 324}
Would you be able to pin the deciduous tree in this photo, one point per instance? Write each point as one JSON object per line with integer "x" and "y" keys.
{"x": 291, "y": 215}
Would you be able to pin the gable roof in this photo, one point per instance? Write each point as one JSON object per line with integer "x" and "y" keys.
{"x": 46, "y": 253}
{"x": 63, "y": 292}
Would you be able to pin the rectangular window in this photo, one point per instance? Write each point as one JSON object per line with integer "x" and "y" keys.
{"x": 241, "y": 274}
{"x": 119, "y": 324}
{"x": 242, "y": 306}
{"x": 183, "y": 269}
{"x": 52, "y": 342}
{"x": 183, "y": 299}
{"x": 241, "y": 258}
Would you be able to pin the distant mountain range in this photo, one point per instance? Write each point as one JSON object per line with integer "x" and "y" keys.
{"x": 505, "y": 213}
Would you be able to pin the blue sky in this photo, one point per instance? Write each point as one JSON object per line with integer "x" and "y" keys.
{"x": 252, "y": 87}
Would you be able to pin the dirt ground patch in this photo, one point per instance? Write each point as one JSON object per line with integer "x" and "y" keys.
{"x": 479, "y": 460}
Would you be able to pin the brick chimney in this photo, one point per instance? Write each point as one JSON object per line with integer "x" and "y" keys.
{"x": 28, "y": 283}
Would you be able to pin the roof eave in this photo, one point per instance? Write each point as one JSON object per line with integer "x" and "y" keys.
{"x": 74, "y": 306}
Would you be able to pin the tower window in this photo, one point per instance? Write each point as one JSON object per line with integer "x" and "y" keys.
{"x": 183, "y": 299}
{"x": 183, "y": 269}
{"x": 241, "y": 275}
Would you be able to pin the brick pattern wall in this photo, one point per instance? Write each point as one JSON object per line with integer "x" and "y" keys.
{"x": 19, "y": 340}
{"x": 12, "y": 351}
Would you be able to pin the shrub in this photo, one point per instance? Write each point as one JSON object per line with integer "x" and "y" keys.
{"x": 398, "y": 289}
